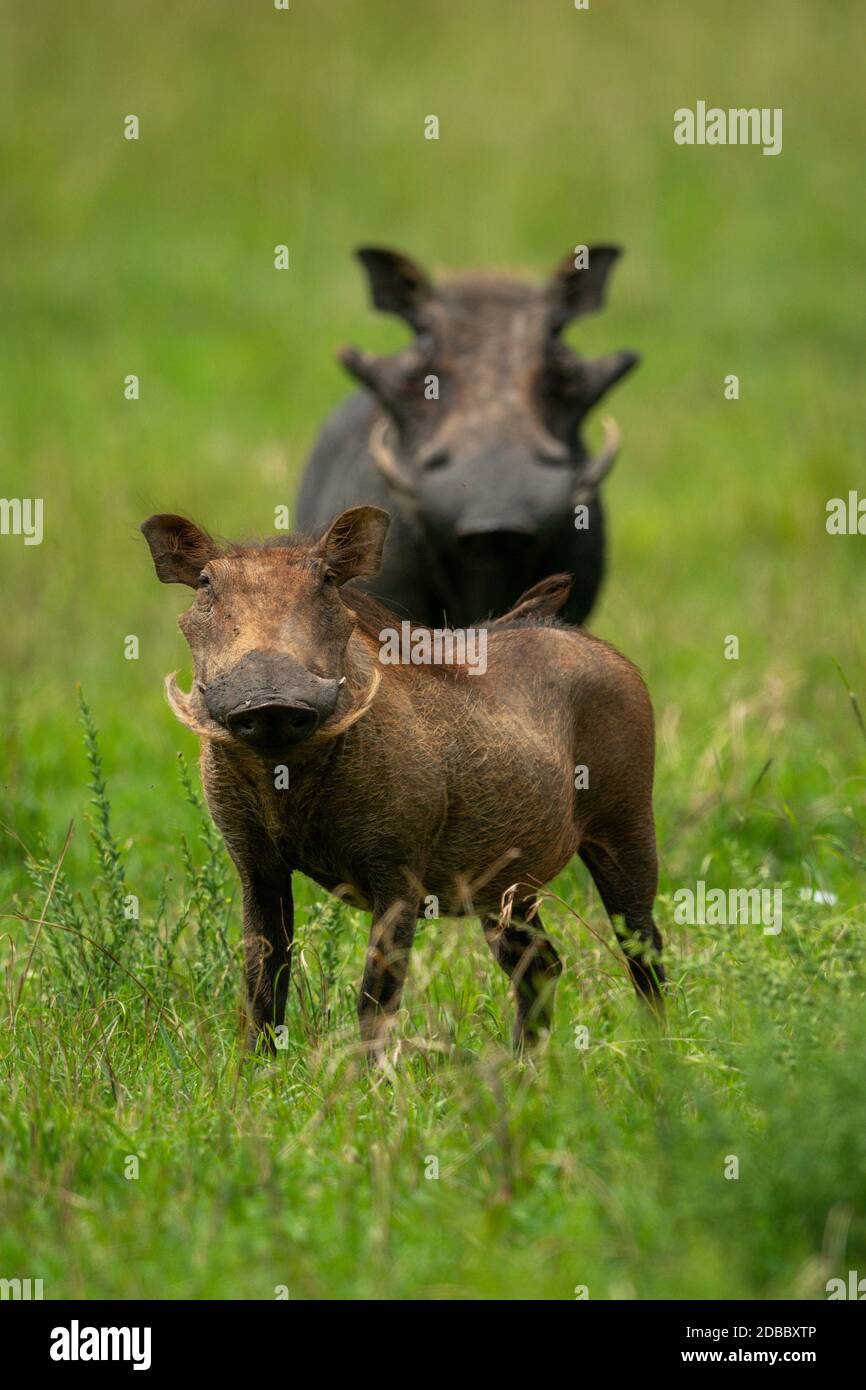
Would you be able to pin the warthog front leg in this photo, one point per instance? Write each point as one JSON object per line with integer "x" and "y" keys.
{"x": 391, "y": 936}
{"x": 268, "y": 931}
{"x": 528, "y": 957}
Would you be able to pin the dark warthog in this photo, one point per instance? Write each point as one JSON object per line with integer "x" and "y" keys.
{"x": 470, "y": 436}
{"x": 390, "y": 783}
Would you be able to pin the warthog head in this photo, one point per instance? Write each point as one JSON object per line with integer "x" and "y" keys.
{"x": 268, "y": 629}
{"x": 482, "y": 410}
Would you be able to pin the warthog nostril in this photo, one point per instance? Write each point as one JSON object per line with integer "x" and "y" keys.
{"x": 273, "y": 725}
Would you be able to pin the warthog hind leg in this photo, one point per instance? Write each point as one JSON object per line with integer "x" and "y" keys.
{"x": 626, "y": 874}
{"x": 528, "y": 957}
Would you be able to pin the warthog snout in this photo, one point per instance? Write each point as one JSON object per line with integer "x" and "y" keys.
{"x": 269, "y": 700}
{"x": 271, "y": 726}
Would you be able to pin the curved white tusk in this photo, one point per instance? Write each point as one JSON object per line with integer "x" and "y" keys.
{"x": 330, "y": 730}
{"x": 383, "y": 457}
{"x": 598, "y": 468}
{"x": 181, "y": 707}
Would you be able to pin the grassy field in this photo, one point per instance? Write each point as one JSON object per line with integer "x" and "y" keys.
{"x": 601, "y": 1168}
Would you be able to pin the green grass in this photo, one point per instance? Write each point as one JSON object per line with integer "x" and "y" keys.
{"x": 602, "y": 1167}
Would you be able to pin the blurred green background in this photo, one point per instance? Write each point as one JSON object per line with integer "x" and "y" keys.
{"x": 306, "y": 127}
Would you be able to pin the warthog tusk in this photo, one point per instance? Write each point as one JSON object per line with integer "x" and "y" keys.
{"x": 598, "y": 468}
{"x": 383, "y": 457}
{"x": 180, "y": 705}
{"x": 339, "y": 726}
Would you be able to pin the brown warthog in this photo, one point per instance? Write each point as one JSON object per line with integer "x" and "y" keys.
{"x": 388, "y": 783}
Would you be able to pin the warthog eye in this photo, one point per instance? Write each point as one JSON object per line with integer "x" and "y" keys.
{"x": 438, "y": 459}
{"x": 204, "y": 585}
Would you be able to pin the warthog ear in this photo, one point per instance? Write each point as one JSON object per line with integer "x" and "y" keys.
{"x": 179, "y": 548}
{"x": 352, "y": 544}
{"x": 573, "y": 291}
{"x": 397, "y": 284}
